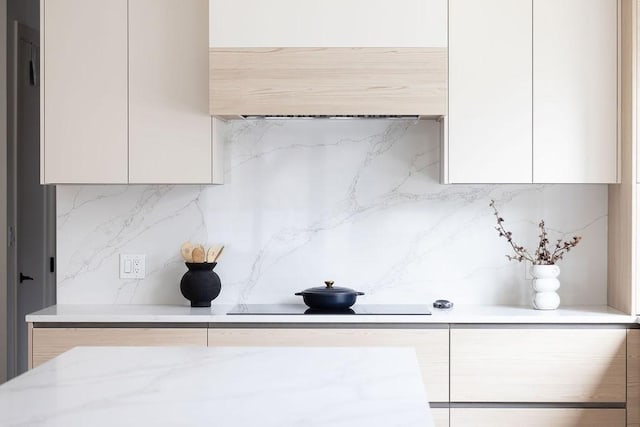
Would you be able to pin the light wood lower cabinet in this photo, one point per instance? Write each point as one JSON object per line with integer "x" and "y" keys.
{"x": 440, "y": 417}
{"x": 431, "y": 345}
{"x": 538, "y": 365}
{"x": 48, "y": 343}
{"x": 538, "y": 417}
{"x": 491, "y": 366}
{"x": 633, "y": 378}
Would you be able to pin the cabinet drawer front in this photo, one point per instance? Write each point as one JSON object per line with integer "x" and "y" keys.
{"x": 432, "y": 346}
{"x": 538, "y": 365}
{"x": 50, "y": 342}
{"x": 509, "y": 417}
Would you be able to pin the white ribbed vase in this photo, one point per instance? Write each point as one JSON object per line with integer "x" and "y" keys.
{"x": 545, "y": 284}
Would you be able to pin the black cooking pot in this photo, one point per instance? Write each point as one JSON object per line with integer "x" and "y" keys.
{"x": 330, "y": 311}
{"x": 329, "y": 297}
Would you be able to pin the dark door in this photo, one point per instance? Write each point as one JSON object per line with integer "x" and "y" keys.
{"x": 34, "y": 234}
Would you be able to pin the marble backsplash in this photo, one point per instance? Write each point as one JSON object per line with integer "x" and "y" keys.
{"x": 355, "y": 201}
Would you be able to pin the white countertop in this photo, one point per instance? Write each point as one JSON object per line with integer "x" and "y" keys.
{"x": 217, "y": 314}
{"x": 266, "y": 387}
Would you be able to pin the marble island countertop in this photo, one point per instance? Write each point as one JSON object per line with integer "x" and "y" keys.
{"x": 469, "y": 314}
{"x": 270, "y": 387}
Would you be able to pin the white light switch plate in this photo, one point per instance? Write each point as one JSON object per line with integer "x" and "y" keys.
{"x": 132, "y": 266}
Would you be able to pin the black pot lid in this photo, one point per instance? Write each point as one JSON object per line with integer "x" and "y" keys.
{"x": 328, "y": 289}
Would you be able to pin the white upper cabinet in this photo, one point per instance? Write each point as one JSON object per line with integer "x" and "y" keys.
{"x": 575, "y": 91}
{"x": 84, "y": 91}
{"x": 328, "y": 23}
{"x": 125, "y": 93}
{"x": 533, "y": 92}
{"x": 490, "y": 93}
{"x": 170, "y": 125}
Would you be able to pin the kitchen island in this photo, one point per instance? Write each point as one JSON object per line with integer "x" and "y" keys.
{"x": 189, "y": 386}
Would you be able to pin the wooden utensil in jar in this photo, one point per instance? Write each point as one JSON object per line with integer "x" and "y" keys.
{"x": 186, "y": 250}
{"x": 198, "y": 255}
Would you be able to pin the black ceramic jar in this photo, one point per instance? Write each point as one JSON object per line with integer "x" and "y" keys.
{"x": 200, "y": 284}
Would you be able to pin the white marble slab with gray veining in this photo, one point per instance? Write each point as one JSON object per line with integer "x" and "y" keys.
{"x": 230, "y": 387}
{"x": 355, "y": 201}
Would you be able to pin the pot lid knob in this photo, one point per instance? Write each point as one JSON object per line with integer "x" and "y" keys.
{"x": 329, "y": 283}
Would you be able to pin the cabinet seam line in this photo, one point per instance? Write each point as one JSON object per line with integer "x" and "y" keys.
{"x": 128, "y": 95}
{"x": 532, "y": 97}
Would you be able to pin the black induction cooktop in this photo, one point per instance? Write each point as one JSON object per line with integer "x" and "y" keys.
{"x": 358, "y": 309}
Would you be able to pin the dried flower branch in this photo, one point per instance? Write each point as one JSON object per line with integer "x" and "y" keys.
{"x": 543, "y": 255}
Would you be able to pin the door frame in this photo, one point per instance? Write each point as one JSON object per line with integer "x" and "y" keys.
{"x": 18, "y": 32}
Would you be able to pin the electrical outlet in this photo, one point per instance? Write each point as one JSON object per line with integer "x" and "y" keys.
{"x": 132, "y": 266}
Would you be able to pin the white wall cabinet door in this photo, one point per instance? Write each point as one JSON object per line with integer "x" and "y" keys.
{"x": 490, "y": 94}
{"x": 170, "y": 126}
{"x": 328, "y": 23}
{"x": 84, "y": 91}
{"x": 575, "y": 84}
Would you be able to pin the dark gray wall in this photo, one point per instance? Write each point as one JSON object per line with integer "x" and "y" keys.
{"x": 3, "y": 190}
{"x": 26, "y": 12}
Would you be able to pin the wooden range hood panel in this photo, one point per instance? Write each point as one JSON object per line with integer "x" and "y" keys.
{"x": 328, "y": 81}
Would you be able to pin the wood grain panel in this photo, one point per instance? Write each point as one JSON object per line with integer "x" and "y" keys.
{"x": 633, "y": 378}
{"x": 521, "y": 417}
{"x": 440, "y": 417}
{"x": 50, "y": 342}
{"x": 622, "y": 240}
{"x": 328, "y": 81}
{"x": 538, "y": 365}
{"x": 431, "y": 345}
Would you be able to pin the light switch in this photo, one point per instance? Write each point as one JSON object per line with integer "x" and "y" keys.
{"x": 132, "y": 266}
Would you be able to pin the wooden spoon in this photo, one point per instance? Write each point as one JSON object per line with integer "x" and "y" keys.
{"x": 198, "y": 255}
{"x": 211, "y": 254}
{"x": 215, "y": 259}
{"x": 186, "y": 250}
